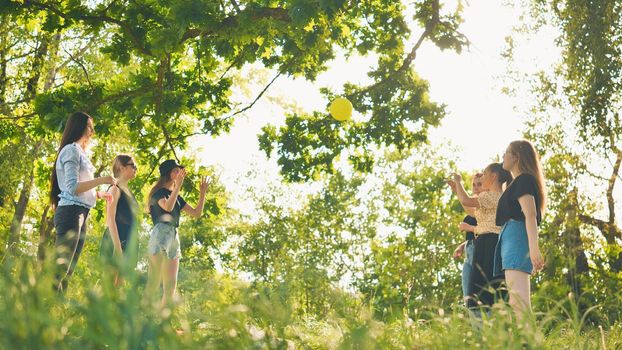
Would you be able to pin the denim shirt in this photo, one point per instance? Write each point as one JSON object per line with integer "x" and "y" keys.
{"x": 73, "y": 166}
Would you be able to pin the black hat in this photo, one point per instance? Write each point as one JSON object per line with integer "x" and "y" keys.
{"x": 169, "y": 165}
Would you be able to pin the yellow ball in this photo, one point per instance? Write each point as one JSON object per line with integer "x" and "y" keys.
{"x": 341, "y": 109}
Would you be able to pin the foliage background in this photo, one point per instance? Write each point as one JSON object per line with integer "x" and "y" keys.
{"x": 363, "y": 261}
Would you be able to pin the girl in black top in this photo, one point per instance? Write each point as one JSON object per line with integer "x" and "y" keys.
{"x": 466, "y": 248}
{"x": 120, "y": 238}
{"x": 520, "y": 212}
{"x": 165, "y": 207}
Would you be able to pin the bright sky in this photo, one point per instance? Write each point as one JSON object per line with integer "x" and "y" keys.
{"x": 480, "y": 120}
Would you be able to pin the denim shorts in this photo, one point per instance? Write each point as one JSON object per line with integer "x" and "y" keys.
{"x": 512, "y": 252}
{"x": 164, "y": 238}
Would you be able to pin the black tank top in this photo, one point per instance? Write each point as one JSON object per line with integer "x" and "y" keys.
{"x": 473, "y": 222}
{"x": 126, "y": 215}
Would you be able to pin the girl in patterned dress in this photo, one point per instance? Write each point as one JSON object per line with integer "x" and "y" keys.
{"x": 482, "y": 284}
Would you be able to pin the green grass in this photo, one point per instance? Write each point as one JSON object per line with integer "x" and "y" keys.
{"x": 221, "y": 312}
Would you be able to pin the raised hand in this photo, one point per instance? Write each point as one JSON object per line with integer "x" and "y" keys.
{"x": 205, "y": 182}
{"x": 457, "y": 178}
{"x": 452, "y": 185}
{"x": 180, "y": 177}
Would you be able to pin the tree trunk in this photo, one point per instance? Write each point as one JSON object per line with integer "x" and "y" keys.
{"x": 20, "y": 210}
{"x": 574, "y": 246}
{"x": 31, "y": 92}
{"x": 53, "y": 57}
{"x": 37, "y": 65}
{"x": 3, "y": 62}
{"x": 45, "y": 230}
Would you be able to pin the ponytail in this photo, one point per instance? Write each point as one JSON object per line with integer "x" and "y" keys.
{"x": 504, "y": 177}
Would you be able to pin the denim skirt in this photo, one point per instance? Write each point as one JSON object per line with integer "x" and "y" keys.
{"x": 512, "y": 252}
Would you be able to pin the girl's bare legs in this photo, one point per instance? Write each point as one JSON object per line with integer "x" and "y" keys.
{"x": 520, "y": 292}
{"x": 154, "y": 274}
{"x": 169, "y": 270}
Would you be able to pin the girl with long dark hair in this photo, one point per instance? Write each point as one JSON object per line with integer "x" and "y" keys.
{"x": 73, "y": 194}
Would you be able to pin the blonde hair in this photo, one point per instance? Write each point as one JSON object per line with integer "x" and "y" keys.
{"x": 529, "y": 162}
{"x": 118, "y": 162}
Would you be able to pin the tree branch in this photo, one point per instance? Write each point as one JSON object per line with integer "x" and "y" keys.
{"x": 254, "y": 14}
{"x": 86, "y": 72}
{"x": 122, "y": 94}
{"x": 429, "y": 28}
{"x": 258, "y": 96}
{"x": 13, "y": 58}
{"x": 185, "y": 136}
{"x": 601, "y": 225}
{"x": 609, "y": 228}
{"x": 159, "y": 156}
{"x": 164, "y": 66}
{"x": 236, "y": 6}
{"x": 92, "y": 41}
{"x": 169, "y": 141}
{"x": 15, "y": 118}
{"x": 102, "y": 17}
{"x": 592, "y": 174}
{"x": 233, "y": 63}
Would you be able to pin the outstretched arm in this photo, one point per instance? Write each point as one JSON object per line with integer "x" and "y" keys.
{"x": 452, "y": 185}
{"x": 169, "y": 203}
{"x": 196, "y": 211}
{"x": 463, "y": 197}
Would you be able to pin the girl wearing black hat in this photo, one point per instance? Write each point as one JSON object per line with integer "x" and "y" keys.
{"x": 165, "y": 206}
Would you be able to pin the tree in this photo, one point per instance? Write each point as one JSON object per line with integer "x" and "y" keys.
{"x": 163, "y": 70}
{"x": 577, "y": 130}
{"x": 186, "y": 49}
{"x": 308, "y": 248}
{"x": 388, "y": 235}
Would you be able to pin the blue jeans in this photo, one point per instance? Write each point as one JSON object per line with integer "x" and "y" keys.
{"x": 467, "y": 266}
